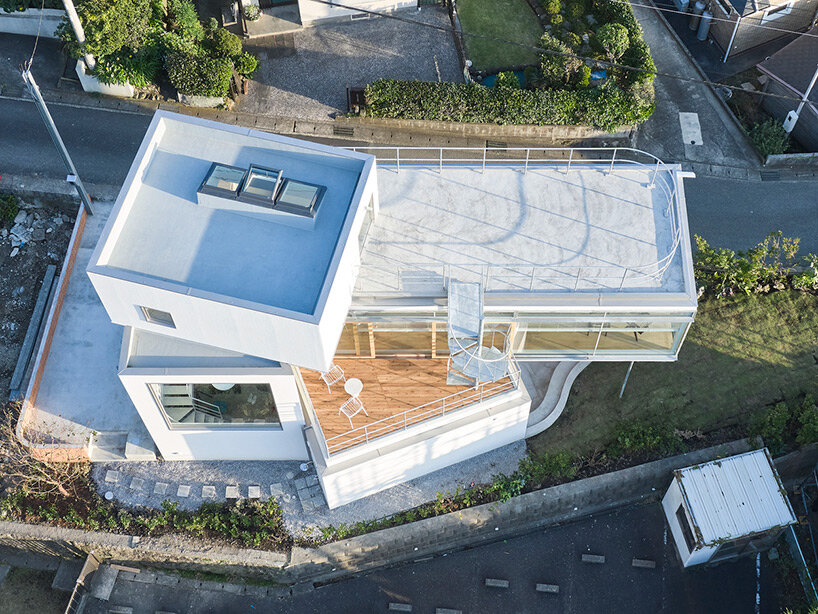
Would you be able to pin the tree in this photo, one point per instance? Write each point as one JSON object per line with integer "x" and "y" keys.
{"x": 614, "y": 40}
{"x": 559, "y": 66}
{"x": 109, "y": 25}
{"x": 38, "y": 469}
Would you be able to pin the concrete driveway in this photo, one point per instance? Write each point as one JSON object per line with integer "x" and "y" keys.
{"x": 305, "y": 74}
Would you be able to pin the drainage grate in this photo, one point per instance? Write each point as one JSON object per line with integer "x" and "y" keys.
{"x": 770, "y": 175}
{"x": 343, "y": 130}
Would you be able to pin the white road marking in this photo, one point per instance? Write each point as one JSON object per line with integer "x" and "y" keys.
{"x": 691, "y": 130}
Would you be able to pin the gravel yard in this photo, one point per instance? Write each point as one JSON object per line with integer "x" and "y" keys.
{"x": 305, "y": 74}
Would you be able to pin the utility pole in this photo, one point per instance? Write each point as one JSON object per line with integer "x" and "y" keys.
{"x": 73, "y": 177}
{"x": 76, "y": 25}
{"x": 792, "y": 116}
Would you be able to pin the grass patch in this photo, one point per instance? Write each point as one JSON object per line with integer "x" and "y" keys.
{"x": 511, "y": 20}
{"x": 29, "y": 590}
{"x": 741, "y": 355}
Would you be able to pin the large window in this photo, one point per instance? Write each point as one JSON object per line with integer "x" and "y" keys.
{"x": 217, "y": 405}
{"x": 424, "y": 339}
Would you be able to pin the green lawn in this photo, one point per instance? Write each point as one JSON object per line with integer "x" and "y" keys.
{"x": 740, "y": 355}
{"x": 511, "y": 20}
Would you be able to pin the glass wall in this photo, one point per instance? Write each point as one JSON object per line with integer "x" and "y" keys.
{"x": 217, "y": 405}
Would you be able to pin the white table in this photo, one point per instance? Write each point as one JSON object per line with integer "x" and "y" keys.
{"x": 223, "y": 387}
{"x": 353, "y": 386}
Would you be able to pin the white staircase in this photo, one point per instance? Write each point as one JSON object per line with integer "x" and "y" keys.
{"x": 470, "y": 361}
{"x": 182, "y": 406}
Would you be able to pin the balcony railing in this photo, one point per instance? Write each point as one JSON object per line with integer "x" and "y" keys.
{"x": 420, "y": 414}
{"x": 433, "y": 276}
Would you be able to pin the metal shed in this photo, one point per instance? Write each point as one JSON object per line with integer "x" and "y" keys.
{"x": 726, "y": 508}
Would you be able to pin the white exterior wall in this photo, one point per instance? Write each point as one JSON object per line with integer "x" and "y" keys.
{"x": 225, "y": 443}
{"x": 670, "y": 503}
{"x": 312, "y": 12}
{"x": 385, "y": 465}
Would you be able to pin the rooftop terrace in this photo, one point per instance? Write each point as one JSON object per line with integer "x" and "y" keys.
{"x": 524, "y": 221}
{"x": 163, "y": 234}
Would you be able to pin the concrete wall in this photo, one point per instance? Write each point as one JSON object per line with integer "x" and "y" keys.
{"x": 28, "y": 22}
{"x": 670, "y": 503}
{"x": 314, "y": 12}
{"x": 749, "y": 35}
{"x": 375, "y": 467}
{"x": 221, "y": 443}
{"x": 806, "y": 129}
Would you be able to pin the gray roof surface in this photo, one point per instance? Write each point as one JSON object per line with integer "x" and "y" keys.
{"x": 795, "y": 64}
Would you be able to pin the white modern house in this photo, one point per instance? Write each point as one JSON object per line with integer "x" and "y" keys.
{"x": 383, "y": 313}
{"x": 726, "y": 508}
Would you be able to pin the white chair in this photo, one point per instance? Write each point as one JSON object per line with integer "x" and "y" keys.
{"x": 332, "y": 376}
{"x": 351, "y": 408}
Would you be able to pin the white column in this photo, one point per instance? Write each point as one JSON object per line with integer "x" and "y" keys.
{"x": 76, "y": 25}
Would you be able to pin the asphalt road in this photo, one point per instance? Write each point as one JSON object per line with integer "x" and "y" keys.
{"x": 728, "y": 213}
{"x": 457, "y": 581}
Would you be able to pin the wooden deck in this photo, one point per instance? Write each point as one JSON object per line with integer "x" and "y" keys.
{"x": 391, "y": 387}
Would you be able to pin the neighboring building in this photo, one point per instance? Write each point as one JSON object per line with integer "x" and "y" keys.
{"x": 727, "y": 508}
{"x": 238, "y": 266}
{"x": 790, "y": 72}
{"x": 735, "y": 26}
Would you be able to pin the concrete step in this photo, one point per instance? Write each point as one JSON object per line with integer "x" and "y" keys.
{"x": 136, "y": 449}
{"x": 107, "y": 446}
{"x": 66, "y": 576}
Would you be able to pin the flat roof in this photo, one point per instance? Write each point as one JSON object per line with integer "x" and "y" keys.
{"x": 735, "y": 496}
{"x": 542, "y": 230}
{"x": 161, "y": 233}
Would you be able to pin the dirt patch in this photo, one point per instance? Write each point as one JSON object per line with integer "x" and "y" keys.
{"x": 36, "y": 238}
{"x": 29, "y": 590}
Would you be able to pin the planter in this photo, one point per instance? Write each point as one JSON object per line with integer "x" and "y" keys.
{"x": 199, "y": 101}
{"x": 27, "y": 22}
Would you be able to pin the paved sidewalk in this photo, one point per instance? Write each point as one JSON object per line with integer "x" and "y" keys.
{"x": 725, "y": 151}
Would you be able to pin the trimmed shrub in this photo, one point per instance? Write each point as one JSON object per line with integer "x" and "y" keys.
{"x": 605, "y": 107}
{"x": 184, "y": 21}
{"x": 199, "y": 75}
{"x": 556, "y": 20}
{"x": 224, "y": 44}
{"x": 582, "y": 78}
{"x": 557, "y": 67}
{"x": 613, "y": 37}
{"x": 507, "y": 80}
{"x": 139, "y": 68}
{"x": 575, "y": 10}
{"x": 109, "y": 25}
{"x": 638, "y": 56}
{"x": 245, "y": 63}
{"x": 573, "y": 40}
{"x": 552, "y": 7}
{"x": 769, "y": 137}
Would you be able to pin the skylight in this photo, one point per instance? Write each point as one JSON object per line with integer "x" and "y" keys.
{"x": 261, "y": 185}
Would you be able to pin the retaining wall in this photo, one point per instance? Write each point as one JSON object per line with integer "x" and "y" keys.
{"x": 27, "y": 22}
{"x": 795, "y": 160}
{"x": 470, "y": 527}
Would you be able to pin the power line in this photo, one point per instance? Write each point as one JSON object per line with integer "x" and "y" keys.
{"x": 746, "y": 22}
{"x": 36, "y": 38}
{"x": 450, "y": 30}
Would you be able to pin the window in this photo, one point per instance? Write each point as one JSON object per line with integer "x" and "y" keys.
{"x": 261, "y": 185}
{"x": 299, "y": 197}
{"x": 681, "y": 517}
{"x": 223, "y": 180}
{"x": 774, "y": 12}
{"x": 155, "y": 316}
{"x": 217, "y": 405}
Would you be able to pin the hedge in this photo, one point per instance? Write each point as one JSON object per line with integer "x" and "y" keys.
{"x": 604, "y": 107}
{"x": 196, "y": 75}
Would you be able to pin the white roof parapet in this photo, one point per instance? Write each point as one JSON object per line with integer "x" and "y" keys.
{"x": 735, "y": 496}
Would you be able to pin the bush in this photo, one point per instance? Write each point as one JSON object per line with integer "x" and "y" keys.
{"x": 199, "y": 75}
{"x": 9, "y": 206}
{"x": 771, "y": 425}
{"x": 184, "y": 21}
{"x": 139, "y": 68}
{"x": 807, "y": 280}
{"x": 507, "y": 80}
{"x": 808, "y": 421}
{"x": 582, "y": 78}
{"x": 575, "y": 10}
{"x": 245, "y": 63}
{"x": 551, "y": 7}
{"x": 766, "y": 267}
{"x": 641, "y": 438}
{"x": 638, "y": 56}
{"x": 605, "y": 107}
{"x": 558, "y": 66}
{"x": 109, "y": 25}
{"x": 252, "y": 12}
{"x": 613, "y": 37}
{"x": 556, "y": 20}
{"x": 224, "y": 44}
{"x": 573, "y": 40}
{"x": 769, "y": 137}
{"x": 560, "y": 466}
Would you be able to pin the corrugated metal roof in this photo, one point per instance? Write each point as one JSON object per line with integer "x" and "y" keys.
{"x": 735, "y": 496}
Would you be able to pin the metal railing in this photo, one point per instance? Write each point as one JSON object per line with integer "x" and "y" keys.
{"x": 397, "y": 278}
{"x": 417, "y": 415}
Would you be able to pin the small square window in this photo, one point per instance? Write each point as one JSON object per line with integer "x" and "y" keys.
{"x": 299, "y": 197}
{"x": 155, "y": 316}
{"x": 223, "y": 180}
{"x": 261, "y": 185}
